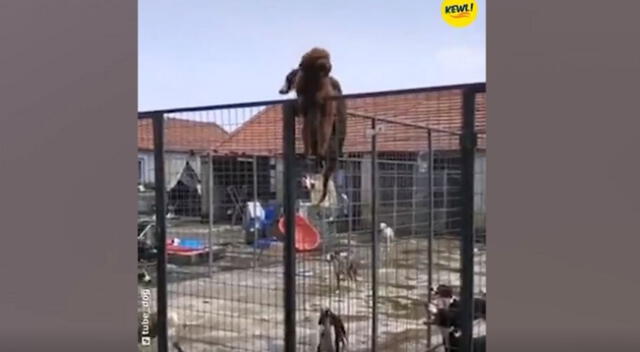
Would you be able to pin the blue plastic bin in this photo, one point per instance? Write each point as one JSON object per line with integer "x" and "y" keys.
{"x": 192, "y": 243}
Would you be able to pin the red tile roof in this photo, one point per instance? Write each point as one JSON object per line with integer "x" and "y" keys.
{"x": 262, "y": 134}
{"x": 182, "y": 135}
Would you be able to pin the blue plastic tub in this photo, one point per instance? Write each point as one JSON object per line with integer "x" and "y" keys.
{"x": 192, "y": 243}
{"x": 270, "y": 214}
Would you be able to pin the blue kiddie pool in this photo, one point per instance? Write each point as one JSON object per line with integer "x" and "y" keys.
{"x": 191, "y": 244}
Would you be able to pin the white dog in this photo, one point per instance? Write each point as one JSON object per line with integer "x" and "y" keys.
{"x": 313, "y": 183}
{"x": 387, "y": 233}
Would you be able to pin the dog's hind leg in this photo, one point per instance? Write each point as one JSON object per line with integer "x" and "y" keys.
{"x": 315, "y": 116}
{"x": 354, "y": 276}
{"x": 325, "y": 129}
{"x": 318, "y": 164}
{"x": 178, "y": 347}
{"x": 307, "y": 131}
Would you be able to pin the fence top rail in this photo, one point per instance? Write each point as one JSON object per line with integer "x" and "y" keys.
{"x": 476, "y": 87}
{"x": 403, "y": 123}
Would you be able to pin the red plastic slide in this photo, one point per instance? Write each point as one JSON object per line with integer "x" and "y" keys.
{"x": 307, "y": 237}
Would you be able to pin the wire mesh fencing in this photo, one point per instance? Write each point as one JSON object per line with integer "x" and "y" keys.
{"x": 388, "y": 233}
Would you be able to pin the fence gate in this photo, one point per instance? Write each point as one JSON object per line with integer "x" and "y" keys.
{"x": 245, "y": 258}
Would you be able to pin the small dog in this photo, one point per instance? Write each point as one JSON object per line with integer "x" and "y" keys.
{"x": 387, "y": 234}
{"x": 479, "y": 309}
{"x": 446, "y": 301}
{"x": 313, "y": 183}
{"x": 143, "y": 276}
{"x": 446, "y": 312}
{"x": 326, "y": 343}
{"x": 344, "y": 267}
{"x": 442, "y": 298}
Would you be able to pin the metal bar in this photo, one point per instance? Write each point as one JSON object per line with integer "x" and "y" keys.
{"x": 478, "y": 87}
{"x": 247, "y": 157}
{"x": 445, "y": 198}
{"x": 210, "y": 208}
{"x": 395, "y": 196}
{"x": 374, "y": 238}
{"x": 453, "y": 152}
{"x": 382, "y": 161}
{"x": 350, "y": 192}
{"x": 255, "y": 224}
{"x": 468, "y": 142}
{"x": 161, "y": 230}
{"x": 289, "y": 199}
{"x": 402, "y": 123}
{"x": 323, "y": 229}
{"x": 431, "y": 230}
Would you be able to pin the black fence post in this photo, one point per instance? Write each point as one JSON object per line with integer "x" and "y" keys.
{"x": 289, "y": 207}
{"x": 374, "y": 238}
{"x": 431, "y": 231}
{"x": 468, "y": 141}
{"x": 161, "y": 230}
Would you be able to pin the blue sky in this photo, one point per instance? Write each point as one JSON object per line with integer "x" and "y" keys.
{"x": 204, "y": 52}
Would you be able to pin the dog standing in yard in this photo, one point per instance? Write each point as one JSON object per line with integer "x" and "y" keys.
{"x": 444, "y": 299}
{"x": 331, "y": 341}
{"x": 344, "y": 267}
{"x": 388, "y": 235}
{"x": 143, "y": 276}
{"x": 446, "y": 316}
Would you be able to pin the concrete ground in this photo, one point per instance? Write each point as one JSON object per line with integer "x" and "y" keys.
{"x": 239, "y": 307}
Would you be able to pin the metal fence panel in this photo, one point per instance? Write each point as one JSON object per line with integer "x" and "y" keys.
{"x": 232, "y": 188}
